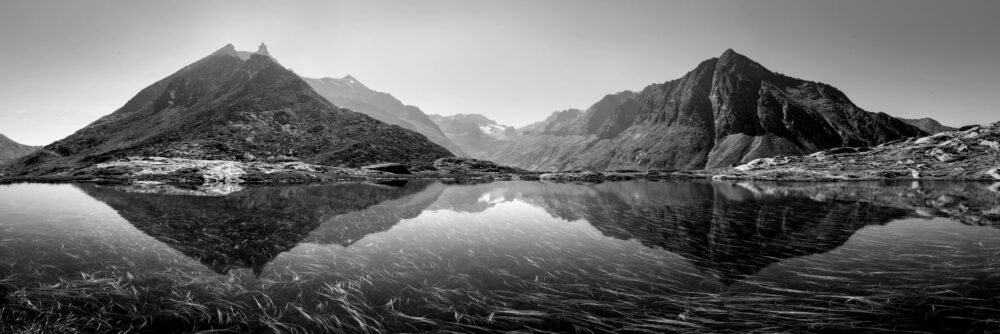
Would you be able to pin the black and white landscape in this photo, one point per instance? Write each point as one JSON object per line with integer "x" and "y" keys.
{"x": 588, "y": 166}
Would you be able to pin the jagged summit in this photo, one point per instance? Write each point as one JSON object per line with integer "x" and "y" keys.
{"x": 262, "y": 50}
{"x": 230, "y": 50}
{"x": 730, "y": 54}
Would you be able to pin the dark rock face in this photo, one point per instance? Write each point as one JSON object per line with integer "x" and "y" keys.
{"x": 350, "y": 93}
{"x": 223, "y": 107}
{"x": 727, "y": 110}
{"x": 389, "y": 168}
{"x": 928, "y": 125}
{"x": 474, "y": 133}
{"x": 10, "y": 150}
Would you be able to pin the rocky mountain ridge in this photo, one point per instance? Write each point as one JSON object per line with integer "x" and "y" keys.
{"x": 728, "y": 110}
{"x": 348, "y": 92}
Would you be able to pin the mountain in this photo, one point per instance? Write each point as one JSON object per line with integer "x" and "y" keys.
{"x": 927, "y": 124}
{"x": 233, "y": 105}
{"x": 728, "y": 110}
{"x": 555, "y": 123}
{"x": 474, "y": 133}
{"x": 350, "y": 93}
{"x": 10, "y": 150}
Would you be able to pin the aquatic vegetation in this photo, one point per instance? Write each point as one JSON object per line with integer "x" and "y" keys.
{"x": 635, "y": 257}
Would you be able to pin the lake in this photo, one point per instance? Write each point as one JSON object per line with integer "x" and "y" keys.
{"x": 418, "y": 255}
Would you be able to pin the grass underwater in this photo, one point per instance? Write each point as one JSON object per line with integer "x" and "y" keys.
{"x": 633, "y": 257}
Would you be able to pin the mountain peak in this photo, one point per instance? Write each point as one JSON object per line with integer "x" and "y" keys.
{"x": 351, "y": 80}
{"x": 731, "y": 55}
{"x": 228, "y": 50}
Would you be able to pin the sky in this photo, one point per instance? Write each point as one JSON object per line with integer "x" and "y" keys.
{"x": 64, "y": 64}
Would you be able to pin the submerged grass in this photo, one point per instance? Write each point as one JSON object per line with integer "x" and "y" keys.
{"x": 457, "y": 274}
{"x": 419, "y": 293}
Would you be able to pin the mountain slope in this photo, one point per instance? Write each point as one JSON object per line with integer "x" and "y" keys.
{"x": 10, "y": 150}
{"x": 224, "y": 107}
{"x": 473, "y": 133}
{"x": 350, "y": 93}
{"x": 727, "y": 110}
{"x": 927, "y": 124}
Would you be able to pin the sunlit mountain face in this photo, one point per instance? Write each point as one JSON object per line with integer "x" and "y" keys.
{"x": 428, "y": 256}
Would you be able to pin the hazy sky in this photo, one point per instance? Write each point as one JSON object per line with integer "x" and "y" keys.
{"x": 63, "y": 64}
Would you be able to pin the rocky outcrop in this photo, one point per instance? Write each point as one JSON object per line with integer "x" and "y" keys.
{"x": 224, "y": 107}
{"x": 390, "y": 167}
{"x": 469, "y": 165}
{"x": 728, "y": 110}
{"x": 350, "y": 93}
{"x": 972, "y": 154}
{"x": 10, "y": 150}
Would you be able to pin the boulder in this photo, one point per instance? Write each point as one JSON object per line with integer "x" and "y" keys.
{"x": 941, "y": 155}
{"x": 763, "y": 163}
{"x": 389, "y": 167}
{"x": 995, "y": 173}
{"x": 991, "y": 144}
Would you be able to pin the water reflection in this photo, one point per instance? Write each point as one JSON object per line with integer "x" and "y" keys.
{"x": 418, "y": 256}
{"x": 247, "y": 228}
{"x": 729, "y": 230}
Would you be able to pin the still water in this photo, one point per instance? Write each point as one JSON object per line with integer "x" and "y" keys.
{"x": 416, "y": 256}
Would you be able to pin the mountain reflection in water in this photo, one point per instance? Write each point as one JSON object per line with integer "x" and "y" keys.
{"x": 249, "y": 227}
{"x": 728, "y": 230}
{"x": 423, "y": 255}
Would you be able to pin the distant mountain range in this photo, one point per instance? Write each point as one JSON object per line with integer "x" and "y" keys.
{"x": 233, "y": 105}
{"x": 10, "y": 150}
{"x": 350, "y": 93}
{"x": 474, "y": 133}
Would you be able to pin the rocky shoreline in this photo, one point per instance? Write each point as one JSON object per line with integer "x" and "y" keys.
{"x": 968, "y": 154}
{"x": 158, "y": 170}
{"x": 971, "y": 153}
